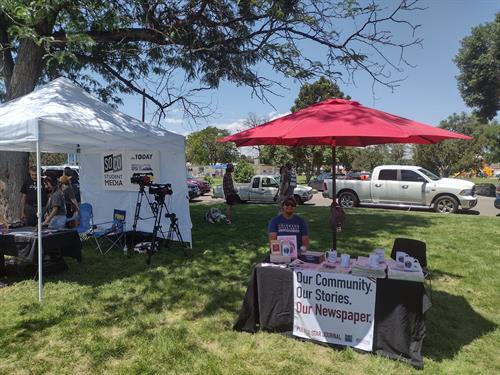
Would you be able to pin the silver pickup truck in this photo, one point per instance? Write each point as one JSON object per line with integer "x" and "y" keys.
{"x": 263, "y": 188}
{"x": 405, "y": 186}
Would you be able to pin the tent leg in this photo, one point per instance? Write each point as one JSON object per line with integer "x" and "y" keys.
{"x": 39, "y": 220}
{"x": 334, "y": 198}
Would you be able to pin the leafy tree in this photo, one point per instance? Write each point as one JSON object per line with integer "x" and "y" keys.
{"x": 202, "y": 147}
{"x": 243, "y": 171}
{"x": 175, "y": 49}
{"x": 478, "y": 62}
{"x": 369, "y": 157}
{"x": 49, "y": 158}
{"x": 453, "y": 156}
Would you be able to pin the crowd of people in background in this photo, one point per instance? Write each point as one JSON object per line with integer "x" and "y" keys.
{"x": 59, "y": 201}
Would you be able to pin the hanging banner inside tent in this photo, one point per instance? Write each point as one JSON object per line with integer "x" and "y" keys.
{"x": 334, "y": 308}
{"x": 119, "y": 166}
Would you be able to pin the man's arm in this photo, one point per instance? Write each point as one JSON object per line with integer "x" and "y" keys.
{"x": 23, "y": 204}
{"x": 50, "y": 215}
{"x": 76, "y": 206}
{"x": 305, "y": 241}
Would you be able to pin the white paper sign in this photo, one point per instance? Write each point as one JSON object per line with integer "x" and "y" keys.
{"x": 334, "y": 308}
{"x": 119, "y": 166}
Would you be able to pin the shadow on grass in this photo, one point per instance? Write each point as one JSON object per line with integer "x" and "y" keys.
{"x": 463, "y": 326}
{"x": 199, "y": 282}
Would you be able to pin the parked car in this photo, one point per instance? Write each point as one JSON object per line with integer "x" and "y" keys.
{"x": 405, "y": 186}
{"x": 193, "y": 191}
{"x": 204, "y": 186}
{"x": 497, "y": 201}
{"x": 318, "y": 182}
{"x": 263, "y": 188}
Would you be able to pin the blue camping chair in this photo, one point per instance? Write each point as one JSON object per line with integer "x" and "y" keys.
{"x": 107, "y": 237}
{"x": 86, "y": 219}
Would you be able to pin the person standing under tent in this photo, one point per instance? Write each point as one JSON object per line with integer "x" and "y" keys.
{"x": 292, "y": 180}
{"x": 55, "y": 218}
{"x": 229, "y": 192}
{"x": 72, "y": 206}
{"x": 75, "y": 185}
{"x": 28, "y": 199}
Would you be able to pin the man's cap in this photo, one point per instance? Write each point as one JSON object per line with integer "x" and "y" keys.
{"x": 229, "y": 166}
{"x": 64, "y": 179}
{"x": 289, "y": 200}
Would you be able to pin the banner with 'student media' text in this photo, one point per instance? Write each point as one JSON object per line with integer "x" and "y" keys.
{"x": 119, "y": 166}
{"x": 334, "y": 308}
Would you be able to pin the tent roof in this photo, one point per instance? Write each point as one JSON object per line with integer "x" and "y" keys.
{"x": 62, "y": 115}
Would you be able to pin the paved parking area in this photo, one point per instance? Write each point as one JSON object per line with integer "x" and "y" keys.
{"x": 484, "y": 206}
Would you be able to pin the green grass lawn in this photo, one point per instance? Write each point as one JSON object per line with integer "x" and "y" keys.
{"x": 111, "y": 314}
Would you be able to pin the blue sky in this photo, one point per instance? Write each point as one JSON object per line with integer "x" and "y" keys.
{"x": 429, "y": 94}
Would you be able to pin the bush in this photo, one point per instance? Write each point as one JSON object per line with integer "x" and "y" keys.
{"x": 243, "y": 172}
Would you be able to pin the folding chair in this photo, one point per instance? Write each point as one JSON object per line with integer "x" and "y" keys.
{"x": 416, "y": 249}
{"x": 113, "y": 235}
{"x": 86, "y": 218}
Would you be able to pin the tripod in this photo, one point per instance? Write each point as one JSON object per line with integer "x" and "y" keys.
{"x": 157, "y": 207}
{"x": 138, "y": 204}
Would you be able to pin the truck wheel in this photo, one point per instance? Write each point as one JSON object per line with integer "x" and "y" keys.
{"x": 347, "y": 199}
{"x": 298, "y": 199}
{"x": 446, "y": 205}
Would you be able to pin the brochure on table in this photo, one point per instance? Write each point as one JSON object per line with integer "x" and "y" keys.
{"x": 334, "y": 308}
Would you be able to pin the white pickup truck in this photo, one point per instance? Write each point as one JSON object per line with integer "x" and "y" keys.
{"x": 263, "y": 188}
{"x": 405, "y": 186}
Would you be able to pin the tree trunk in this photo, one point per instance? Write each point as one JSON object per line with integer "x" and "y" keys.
{"x": 14, "y": 165}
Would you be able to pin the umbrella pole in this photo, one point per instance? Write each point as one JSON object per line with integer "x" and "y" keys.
{"x": 334, "y": 198}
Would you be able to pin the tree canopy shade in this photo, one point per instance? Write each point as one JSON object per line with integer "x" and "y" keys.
{"x": 175, "y": 49}
{"x": 126, "y": 41}
{"x": 479, "y": 63}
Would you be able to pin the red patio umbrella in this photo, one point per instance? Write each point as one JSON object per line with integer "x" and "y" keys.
{"x": 340, "y": 122}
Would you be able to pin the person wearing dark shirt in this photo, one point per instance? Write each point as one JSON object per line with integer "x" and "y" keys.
{"x": 289, "y": 224}
{"x": 74, "y": 184}
{"x": 229, "y": 192}
{"x": 29, "y": 201}
{"x": 72, "y": 206}
{"x": 292, "y": 180}
{"x": 55, "y": 218}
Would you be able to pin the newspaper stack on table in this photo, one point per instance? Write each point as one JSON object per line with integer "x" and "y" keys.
{"x": 328, "y": 266}
{"x": 396, "y": 271}
{"x": 298, "y": 264}
{"x": 362, "y": 267}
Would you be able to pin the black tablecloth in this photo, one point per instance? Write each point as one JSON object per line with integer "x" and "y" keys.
{"x": 400, "y": 308}
{"x": 23, "y": 243}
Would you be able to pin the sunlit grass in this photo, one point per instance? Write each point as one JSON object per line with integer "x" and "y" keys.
{"x": 111, "y": 314}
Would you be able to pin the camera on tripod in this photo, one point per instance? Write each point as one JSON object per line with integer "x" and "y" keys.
{"x": 160, "y": 189}
{"x": 142, "y": 178}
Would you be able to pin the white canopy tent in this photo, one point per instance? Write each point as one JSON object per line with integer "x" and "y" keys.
{"x": 62, "y": 117}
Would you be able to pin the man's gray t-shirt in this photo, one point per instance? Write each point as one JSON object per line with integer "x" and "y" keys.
{"x": 57, "y": 200}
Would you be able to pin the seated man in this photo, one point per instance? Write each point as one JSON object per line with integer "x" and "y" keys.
{"x": 288, "y": 224}
{"x": 55, "y": 217}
